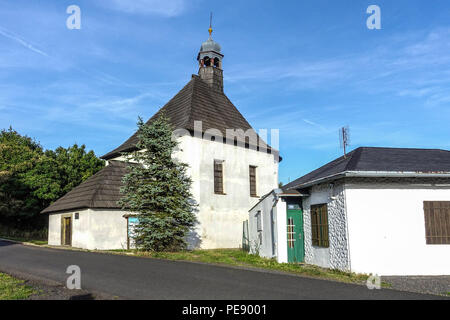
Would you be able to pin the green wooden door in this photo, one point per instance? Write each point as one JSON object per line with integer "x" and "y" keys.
{"x": 295, "y": 236}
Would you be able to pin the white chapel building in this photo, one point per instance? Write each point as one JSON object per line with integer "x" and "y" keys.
{"x": 229, "y": 175}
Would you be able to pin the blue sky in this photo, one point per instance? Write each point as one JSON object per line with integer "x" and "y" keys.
{"x": 303, "y": 67}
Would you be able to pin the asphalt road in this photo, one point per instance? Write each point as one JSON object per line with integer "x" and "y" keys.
{"x": 143, "y": 278}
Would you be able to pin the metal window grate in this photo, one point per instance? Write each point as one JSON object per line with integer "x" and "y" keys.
{"x": 437, "y": 222}
{"x": 218, "y": 177}
{"x": 252, "y": 171}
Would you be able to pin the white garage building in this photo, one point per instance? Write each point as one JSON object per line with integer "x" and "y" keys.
{"x": 383, "y": 211}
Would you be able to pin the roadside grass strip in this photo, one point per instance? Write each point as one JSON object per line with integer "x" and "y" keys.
{"x": 14, "y": 289}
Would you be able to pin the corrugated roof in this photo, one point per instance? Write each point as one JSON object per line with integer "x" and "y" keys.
{"x": 195, "y": 102}
{"x": 372, "y": 159}
{"x": 102, "y": 190}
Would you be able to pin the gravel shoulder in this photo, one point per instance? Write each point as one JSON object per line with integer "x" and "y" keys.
{"x": 439, "y": 285}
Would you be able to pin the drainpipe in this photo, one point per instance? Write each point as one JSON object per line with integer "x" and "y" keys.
{"x": 274, "y": 224}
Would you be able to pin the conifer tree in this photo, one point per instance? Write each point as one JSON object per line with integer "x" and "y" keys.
{"x": 157, "y": 189}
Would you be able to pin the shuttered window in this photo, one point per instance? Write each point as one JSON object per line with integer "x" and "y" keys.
{"x": 319, "y": 225}
{"x": 437, "y": 222}
{"x": 252, "y": 170}
{"x": 218, "y": 177}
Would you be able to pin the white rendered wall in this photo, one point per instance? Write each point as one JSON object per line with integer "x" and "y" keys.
{"x": 387, "y": 230}
{"x": 281, "y": 226}
{"x": 264, "y": 249}
{"x": 221, "y": 216}
{"x": 274, "y": 236}
{"x": 54, "y": 226}
{"x": 54, "y": 229}
{"x": 95, "y": 229}
{"x": 336, "y": 256}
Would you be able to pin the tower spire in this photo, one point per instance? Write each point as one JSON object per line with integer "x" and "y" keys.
{"x": 210, "y": 62}
{"x": 210, "y": 30}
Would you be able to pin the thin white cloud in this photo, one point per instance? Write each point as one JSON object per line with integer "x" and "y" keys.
{"x": 8, "y": 34}
{"x": 417, "y": 66}
{"x": 119, "y": 106}
{"x": 314, "y": 124}
{"x": 95, "y": 74}
{"x": 167, "y": 8}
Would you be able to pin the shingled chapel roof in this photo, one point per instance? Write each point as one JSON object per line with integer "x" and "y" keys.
{"x": 102, "y": 190}
{"x": 195, "y": 102}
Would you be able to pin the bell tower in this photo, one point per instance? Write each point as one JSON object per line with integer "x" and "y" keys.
{"x": 210, "y": 62}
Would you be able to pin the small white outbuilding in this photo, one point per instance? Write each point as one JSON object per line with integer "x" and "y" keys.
{"x": 383, "y": 211}
{"x": 89, "y": 216}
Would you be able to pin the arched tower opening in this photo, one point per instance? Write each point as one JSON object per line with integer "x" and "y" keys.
{"x": 210, "y": 63}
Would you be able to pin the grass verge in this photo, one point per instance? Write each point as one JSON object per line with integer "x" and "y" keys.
{"x": 14, "y": 289}
{"x": 26, "y": 240}
{"x": 236, "y": 257}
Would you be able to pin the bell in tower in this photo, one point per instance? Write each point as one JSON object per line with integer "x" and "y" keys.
{"x": 210, "y": 63}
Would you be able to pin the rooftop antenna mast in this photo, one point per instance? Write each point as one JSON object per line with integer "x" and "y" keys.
{"x": 344, "y": 139}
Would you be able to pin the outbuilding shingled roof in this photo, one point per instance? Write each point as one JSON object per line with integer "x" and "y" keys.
{"x": 102, "y": 190}
{"x": 195, "y": 102}
{"x": 371, "y": 159}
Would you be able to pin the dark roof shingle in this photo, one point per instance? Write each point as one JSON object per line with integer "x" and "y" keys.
{"x": 371, "y": 159}
{"x": 195, "y": 102}
{"x": 102, "y": 190}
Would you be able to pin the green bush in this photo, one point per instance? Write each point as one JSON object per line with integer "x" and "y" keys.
{"x": 9, "y": 232}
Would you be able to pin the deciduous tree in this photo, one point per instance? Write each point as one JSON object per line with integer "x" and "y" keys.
{"x": 31, "y": 178}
